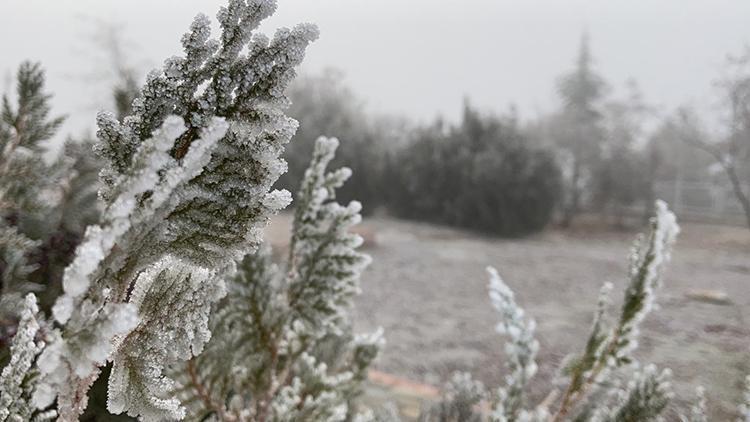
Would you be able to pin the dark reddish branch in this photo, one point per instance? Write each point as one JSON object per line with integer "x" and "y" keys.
{"x": 183, "y": 142}
{"x": 205, "y": 395}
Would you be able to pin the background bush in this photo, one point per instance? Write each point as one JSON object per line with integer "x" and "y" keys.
{"x": 480, "y": 174}
{"x": 324, "y": 106}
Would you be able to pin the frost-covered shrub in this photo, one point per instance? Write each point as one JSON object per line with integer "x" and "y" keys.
{"x": 281, "y": 346}
{"x": 479, "y": 175}
{"x": 604, "y": 382}
{"x": 186, "y": 189}
{"x": 15, "y": 397}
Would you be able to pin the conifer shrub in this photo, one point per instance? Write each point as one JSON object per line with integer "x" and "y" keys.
{"x": 44, "y": 207}
{"x": 480, "y": 174}
{"x": 604, "y": 382}
{"x": 186, "y": 187}
{"x": 282, "y": 347}
{"x": 174, "y": 290}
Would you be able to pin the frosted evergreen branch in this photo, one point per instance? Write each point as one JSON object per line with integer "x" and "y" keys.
{"x": 614, "y": 349}
{"x": 460, "y": 401}
{"x": 581, "y": 369}
{"x": 118, "y": 218}
{"x": 645, "y": 397}
{"x": 16, "y": 378}
{"x": 292, "y": 355}
{"x": 214, "y": 79}
{"x": 521, "y": 348}
{"x": 95, "y": 315}
{"x": 324, "y": 264}
{"x": 698, "y": 409}
{"x": 645, "y": 279}
{"x": 594, "y": 385}
{"x": 174, "y": 301}
{"x": 204, "y": 140}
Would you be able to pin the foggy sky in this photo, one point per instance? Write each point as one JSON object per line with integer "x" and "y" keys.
{"x": 418, "y": 58}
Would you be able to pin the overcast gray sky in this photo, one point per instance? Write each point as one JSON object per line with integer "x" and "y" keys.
{"x": 418, "y": 58}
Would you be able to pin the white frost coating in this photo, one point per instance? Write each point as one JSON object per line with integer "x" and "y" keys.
{"x": 604, "y": 300}
{"x": 121, "y": 319}
{"x": 183, "y": 190}
{"x": 521, "y": 347}
{"x": 88, "y": 255}
{"x": 64, "y": 305}
{"x": 289, "y": 403}
{"x": 156, "y": 172}
{"x": 294, "y": 311}
{"x": 665, "y": 233}
{"x": 173, "y": 301}
{"x": 277, "y": 200}
{"x": 23, "y": 350}
{"x": 326, "y": 147}
{"x": 114, "y": 320}
{"x": 647, "y": 385}
{"x": 192, "y": 164}
{"x": 698, "y": 410}
{"x": 647, "y": 262}
{"x": 52, "y": 370}
{"x": 98, "y": 240}
{"x": 322, "y": 249}
{"x": 376, "y": 338}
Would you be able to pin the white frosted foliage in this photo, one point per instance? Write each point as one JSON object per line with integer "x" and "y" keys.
{"x": 173, "y": 302}
{"x": 322, "y": 251}
{"x": 23, "y": 351}
{"x": 698, "y": 410}
{"x": 281, "y": 346}
{"x": 142, "y": 198}
{"x": 648, "y": 259}
{"x": 186, "y": 189}
{"x": 520, "y": 348}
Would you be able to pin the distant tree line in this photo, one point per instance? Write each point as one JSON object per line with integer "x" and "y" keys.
{"x": 596, "y": 152}
{"x": 481, "y": 173}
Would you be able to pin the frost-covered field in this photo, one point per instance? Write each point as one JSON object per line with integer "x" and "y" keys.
{"x": 427, "y": 289}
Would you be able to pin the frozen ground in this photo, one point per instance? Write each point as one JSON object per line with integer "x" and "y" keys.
{"x": 427, "y": 289}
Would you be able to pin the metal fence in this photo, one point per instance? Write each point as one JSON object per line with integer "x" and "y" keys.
{"x": 702, "y": 201}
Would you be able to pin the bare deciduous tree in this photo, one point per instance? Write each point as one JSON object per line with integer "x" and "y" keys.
{"x": 732, "y": 153}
